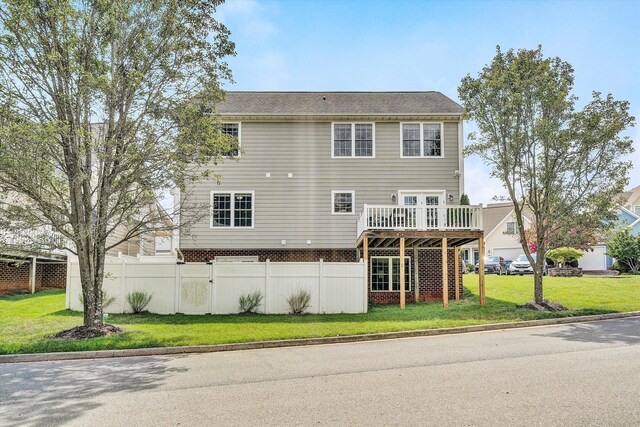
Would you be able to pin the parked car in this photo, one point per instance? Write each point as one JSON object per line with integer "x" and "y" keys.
{"x": 507, "y": 262}
{"x": 521, "y": 265}
{"x": 493, "y": 264}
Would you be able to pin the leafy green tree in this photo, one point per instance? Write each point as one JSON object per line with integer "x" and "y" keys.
{"x": 564, "y": 255}
{"x": 104, "y": 105}
{"x": 625, "y": 248}
{"x": 565, "y": 166}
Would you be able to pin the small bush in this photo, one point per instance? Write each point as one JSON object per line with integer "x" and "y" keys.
{"x": 620, "y": 267}
{"x": 564, "y": 256}
{"x": 470, "y": 267}
{"x": 250, "y": 302}
{"x": 106, "y": 299}
{"x": 138, "y": 301}
{"x": 299, "y": 301}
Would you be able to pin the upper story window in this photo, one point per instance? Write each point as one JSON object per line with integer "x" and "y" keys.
{"x": 421, "y": 140}
{"x": 636, "y": 209}
{"x": 342, "y": 202}
{"x": 511, "y": 227}
{"x": 232, "y": 129}
{"x": 353, "y": 140}
{"x": 232, "y": 209}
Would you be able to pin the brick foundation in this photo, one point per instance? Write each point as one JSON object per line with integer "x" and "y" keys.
{"x": 429, "y": 267}
{"x": 275, "y": 255}
{"x": 15, "y": 278}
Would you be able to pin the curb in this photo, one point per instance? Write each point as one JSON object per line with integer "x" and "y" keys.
{"x": 213, "y": 348}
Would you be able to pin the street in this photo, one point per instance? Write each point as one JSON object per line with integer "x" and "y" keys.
{"x": 582, "y": 374}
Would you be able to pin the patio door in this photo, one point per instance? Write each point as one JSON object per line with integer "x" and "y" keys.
{"x": 430, "y": 200}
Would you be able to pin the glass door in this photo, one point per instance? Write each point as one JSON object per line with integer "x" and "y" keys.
{"x": 429, "y": 201}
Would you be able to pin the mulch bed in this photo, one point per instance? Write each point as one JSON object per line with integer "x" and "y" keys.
{"x": 83, "y": 333}
{"x": 545, "y": 306}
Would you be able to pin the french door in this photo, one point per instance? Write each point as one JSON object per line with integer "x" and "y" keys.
{"x": 430, "y": 200}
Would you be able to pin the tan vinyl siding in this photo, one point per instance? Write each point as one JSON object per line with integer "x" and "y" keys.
{"x": 299, "y": 209}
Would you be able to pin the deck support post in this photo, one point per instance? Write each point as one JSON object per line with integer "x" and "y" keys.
{"x": 365, "y": 248}
{"x": 32, "y": 275}
{"x": 416, "y": 274}
{"x": 456, "y": 257}
{"x": 445, "y": 274}
{"x": 402, "y": 284}
{"x": 481, "y": 269}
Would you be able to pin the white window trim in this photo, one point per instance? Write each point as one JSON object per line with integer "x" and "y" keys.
{"x": 353, "y": 140}
{"x": 407, "y": 261}
{"x": 239, "y": 138}
{"x": 353, "y": 202}
{"x": 422, "y": 156}
{"x": 232, "y": 226}
{"x": 515, "y": 227}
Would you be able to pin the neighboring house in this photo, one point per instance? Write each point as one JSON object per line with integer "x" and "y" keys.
{"x": 629, "y": 212}
{"x": 500, "y": 233}
{"x": 339, "y": 176}
{"x": 500, "y": 226}
{"x": 30, "y": 271}
{"x": 628, "y": 216}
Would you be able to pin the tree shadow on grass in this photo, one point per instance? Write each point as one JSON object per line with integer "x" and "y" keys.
{"x": 53, "y": 393}
{"x": 619, "y": 331}
{"x": 467, "y": 308}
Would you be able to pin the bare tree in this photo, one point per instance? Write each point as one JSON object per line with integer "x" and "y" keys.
{"x": 105, "y": 105}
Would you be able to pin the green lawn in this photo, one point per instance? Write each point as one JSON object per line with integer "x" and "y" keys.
{"x": 26, "y": 320}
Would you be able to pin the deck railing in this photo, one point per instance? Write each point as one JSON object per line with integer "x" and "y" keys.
{"x": 420, "y": 217}
{"x": 39, "y": 238}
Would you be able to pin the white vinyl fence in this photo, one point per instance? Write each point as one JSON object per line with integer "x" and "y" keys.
{"x": 198, "y": 288}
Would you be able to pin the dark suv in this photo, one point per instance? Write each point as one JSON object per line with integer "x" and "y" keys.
{"x": 493, "y": 264}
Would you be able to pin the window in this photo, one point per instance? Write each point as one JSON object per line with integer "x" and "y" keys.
{"x": 342, "y": 202}
{"x": 381, "y": 280}
{"x": 232, "y": 209}
{"x": 232, "y": 129}
{"x": 636, "y": 209}
{"x": 421, "y": 140}
{"x": 511, "y": 227}
{"x": 353, "y": 140}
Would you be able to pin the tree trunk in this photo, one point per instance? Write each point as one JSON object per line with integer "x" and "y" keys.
{"x": 91, "y": 280}
{"x": 537, "y": 286}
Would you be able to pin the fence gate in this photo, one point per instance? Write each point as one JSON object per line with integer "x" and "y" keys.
{"x": 194, "y": 289}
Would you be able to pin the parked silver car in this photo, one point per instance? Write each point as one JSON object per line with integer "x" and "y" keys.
{"x": 521, "y": 265}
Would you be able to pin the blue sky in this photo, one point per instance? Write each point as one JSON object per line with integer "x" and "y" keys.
{"x": 430, "y": 45}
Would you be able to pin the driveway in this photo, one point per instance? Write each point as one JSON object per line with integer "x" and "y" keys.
{"x": 583, "y": 374}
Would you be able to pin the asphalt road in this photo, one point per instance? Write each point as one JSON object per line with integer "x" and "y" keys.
{"x": 583, "y": 374}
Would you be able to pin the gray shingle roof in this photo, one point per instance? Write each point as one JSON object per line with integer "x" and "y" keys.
{"x": 338, "y": 103}
{"x": 493, "y": 214}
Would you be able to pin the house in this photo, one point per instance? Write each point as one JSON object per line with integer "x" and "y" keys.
{"x": 36, "y": 259}
{"x": 629, "y": 210}
{"x": 501, "y": 236}
{"x": 500, "y": 233}
{"x": 340, "y": 176}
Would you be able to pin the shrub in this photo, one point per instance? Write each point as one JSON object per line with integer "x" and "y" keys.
{"x": 564, "y": 255}
{"x": 106, "y": 299}
{"x": 299, "y": 301}
{"x": 138, "y": 301}
{"x": 250, "y": 302}
{"x": 625, "y": 248}
{"x": 620, "y": 266}
{"x": 470, "y": 267}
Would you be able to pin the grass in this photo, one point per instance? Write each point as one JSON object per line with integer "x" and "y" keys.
{"x": 26, "y": 320}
